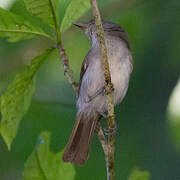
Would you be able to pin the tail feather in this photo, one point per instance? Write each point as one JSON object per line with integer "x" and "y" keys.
{"x": 77, "y": 148}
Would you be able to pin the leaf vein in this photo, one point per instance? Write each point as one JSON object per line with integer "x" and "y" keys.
{"x": 29, "y": 32}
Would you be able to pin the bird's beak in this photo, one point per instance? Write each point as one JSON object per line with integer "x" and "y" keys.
{"x": 82, "y": 26}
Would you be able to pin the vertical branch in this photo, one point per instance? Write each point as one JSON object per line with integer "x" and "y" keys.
{"x": 102, "y": 139}
{"x": 67, "y": 71}
{"x": 104, "y": 144}
{"x": 109, "y": 89}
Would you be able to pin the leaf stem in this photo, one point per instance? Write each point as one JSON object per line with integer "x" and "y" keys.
{"x": 110, "y": 161}
{"x": 67, "y": 70}
{"x": 102, "y": 139}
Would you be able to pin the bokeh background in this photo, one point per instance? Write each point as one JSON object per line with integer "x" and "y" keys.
{"x": 147, "y": 137}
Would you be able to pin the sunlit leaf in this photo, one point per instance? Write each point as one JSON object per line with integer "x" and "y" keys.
{"x": 74, "y": 11}
{"x": 136, "y": 174}
{"x": 43, "y": 9}
{"x": 174, "y": 115}
{"x": 16, "y": 100}
{"x": 17, "y": 28}
{"x": 46, "y": 165}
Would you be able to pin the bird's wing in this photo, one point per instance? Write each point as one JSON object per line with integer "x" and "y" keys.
{"x": 83, "y": 69}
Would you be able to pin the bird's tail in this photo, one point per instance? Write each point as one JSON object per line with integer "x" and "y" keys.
{"x": 77, "y": 148}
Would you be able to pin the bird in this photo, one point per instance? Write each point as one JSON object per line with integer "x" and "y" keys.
{"x": 92, "y": 102}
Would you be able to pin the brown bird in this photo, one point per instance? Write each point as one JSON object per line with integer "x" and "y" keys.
{"x": 92, "y": 103}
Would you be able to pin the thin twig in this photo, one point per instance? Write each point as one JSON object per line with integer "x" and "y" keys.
{"x": 69, "y": 75}
{"x": 104, "y": 144}
{"x": 67, "y": 71}
{"x": 109, "y": 89}
{"x": 102, "y": 139}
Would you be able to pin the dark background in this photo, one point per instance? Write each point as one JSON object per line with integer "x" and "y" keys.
{"x": 143, "y": 138}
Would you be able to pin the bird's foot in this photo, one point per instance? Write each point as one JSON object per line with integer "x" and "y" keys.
{"x": 110, "y": 131}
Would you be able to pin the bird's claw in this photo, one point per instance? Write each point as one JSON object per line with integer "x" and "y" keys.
{"x": 110, "y": 131}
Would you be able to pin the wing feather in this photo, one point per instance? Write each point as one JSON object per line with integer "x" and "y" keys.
{"x": 84, "y": 67}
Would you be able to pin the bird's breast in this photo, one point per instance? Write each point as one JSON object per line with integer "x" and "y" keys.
{"x": 93, "y": 79}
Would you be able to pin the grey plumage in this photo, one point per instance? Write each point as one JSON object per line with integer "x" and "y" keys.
{"x": 92, "y": 80}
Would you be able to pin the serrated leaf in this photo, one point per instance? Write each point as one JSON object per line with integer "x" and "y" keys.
{"x": 136, "y": 174}
{"x": 17, "y": 28}
{"x": 45, "y": 165}
{"x": 73, "y": 12}
{"x": 16, "y": 100}
{"x": 43, "y": 9}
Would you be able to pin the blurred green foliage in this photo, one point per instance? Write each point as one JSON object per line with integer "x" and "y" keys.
{"x": 136, "y": 174}
{"x": 143, "y": 131}
{"x": 44, "y": 165}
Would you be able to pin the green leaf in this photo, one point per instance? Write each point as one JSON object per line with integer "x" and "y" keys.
{"x": 73, "y": 12}
{"x": 44, "y": 9}
{"x": 16, "y": 100}
{"x": 136, "y": 174}
{"x": 17, "y": 28}
{"x": 45, "y": 165}
{"x": 63, "y": 4}
{"x": 173, "y": 113}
